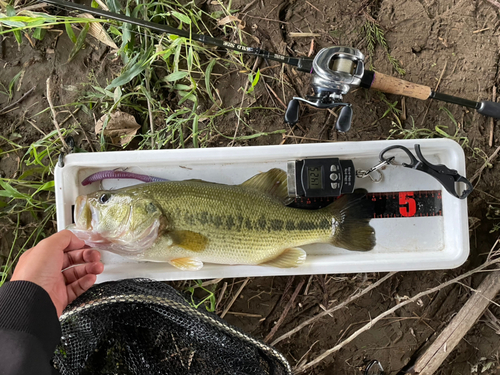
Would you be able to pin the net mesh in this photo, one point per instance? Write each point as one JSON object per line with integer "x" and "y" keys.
{"x": 141, "y": 326}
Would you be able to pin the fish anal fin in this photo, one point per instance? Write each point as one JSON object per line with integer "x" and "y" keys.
{"x": 272, "y": 182}
{"x": 189, "y": 240}
{"x": 289, "y": 258}
{"x": 187, "y": 264}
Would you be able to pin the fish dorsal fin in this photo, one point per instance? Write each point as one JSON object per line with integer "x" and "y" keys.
{"x": 272, "y": 182}
{"x": 200, "y": 181}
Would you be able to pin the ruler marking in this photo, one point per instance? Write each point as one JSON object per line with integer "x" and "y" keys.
{"x": 424, "y": 203}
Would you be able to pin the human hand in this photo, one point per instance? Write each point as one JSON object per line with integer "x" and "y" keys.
{"x": 47, "y": 264}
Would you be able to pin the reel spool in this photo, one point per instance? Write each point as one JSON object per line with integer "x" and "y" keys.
{"x": 335, "y": 70}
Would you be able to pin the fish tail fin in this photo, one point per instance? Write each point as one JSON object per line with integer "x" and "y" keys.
{"x": 351, "y": 215}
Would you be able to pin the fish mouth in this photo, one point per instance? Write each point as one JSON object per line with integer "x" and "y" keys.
{"x": 81, "y": 214}
{"x": 117, "y": 243}
{"x": 92, "y": 239}
{"x": 86, "y": 219}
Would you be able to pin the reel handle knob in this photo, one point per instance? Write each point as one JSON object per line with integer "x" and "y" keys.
{"x": 292, "y": 112}
{"x": 343, "y": 123}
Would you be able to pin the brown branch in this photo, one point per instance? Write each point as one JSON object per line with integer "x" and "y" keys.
{"x": 492, "y": 120}
{"x": 36, "y": 127}
{"x": 468, "y": 315}
{"x": 352, "y": 298}
{"x": 10, "y": 106}
{"x": 374, "y": 321}
{"x": 285, "y": 312}
{"x": 150, "y": 111}
{"x": 234, "y": 297}
{"x": 54, "y": 114}
{"x": 493, "y": 2}
{"x": 480, "y": 170}
{"x": 221, "y": 295}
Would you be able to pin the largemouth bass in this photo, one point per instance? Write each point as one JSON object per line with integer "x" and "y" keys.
{"x": 190, "y": 222}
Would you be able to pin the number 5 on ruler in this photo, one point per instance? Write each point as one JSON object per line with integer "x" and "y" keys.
{"x": 407, "y": 205}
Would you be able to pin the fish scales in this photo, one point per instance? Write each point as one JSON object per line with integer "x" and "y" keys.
{"x": 190, "y": 222}
{"x": 242, "y": 225}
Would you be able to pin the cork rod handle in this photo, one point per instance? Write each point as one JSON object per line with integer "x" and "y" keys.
{"x": 392, "y": 85}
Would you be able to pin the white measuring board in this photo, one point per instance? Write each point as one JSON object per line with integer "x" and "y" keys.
{"x": 403, "y": 244}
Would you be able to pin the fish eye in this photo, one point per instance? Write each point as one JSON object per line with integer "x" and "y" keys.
{"x": 104, "y": 198}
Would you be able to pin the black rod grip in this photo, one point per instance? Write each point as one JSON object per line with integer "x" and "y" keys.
{"x": 490, "y": 109}
{"x": 454, "y": 100}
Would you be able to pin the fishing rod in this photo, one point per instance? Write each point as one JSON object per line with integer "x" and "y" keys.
{"x": 335, "y": 71}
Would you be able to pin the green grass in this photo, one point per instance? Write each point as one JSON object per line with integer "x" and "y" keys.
{"x": 413, "y": 132}
{"x": 36, "y": 23}
{"x": 452, "y": 131}
{"x": 375, "y": 36}
{"x": 493, "y": 214}
{"x": 207, "y": 299}
{"x": 9, "y": 91}
{"x": 391, "y": 109}
{"x": 27, "y": 202}
{"x": 166, "y": 82}
{"x": 175, "y": 65}
{"x": 164, "y": 77}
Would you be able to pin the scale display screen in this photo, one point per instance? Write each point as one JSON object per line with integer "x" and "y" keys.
{"x": 320, "y": 177}
{"x": 315, "y": 180}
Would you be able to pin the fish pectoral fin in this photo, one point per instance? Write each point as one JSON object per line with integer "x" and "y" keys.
{"x": 289, "y": 258}
{"x": 272, "y": 182}
{"x": 189, "y": 240}
{"x": 187, "y": 264}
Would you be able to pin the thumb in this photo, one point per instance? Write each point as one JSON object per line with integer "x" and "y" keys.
{"x": 61, "y": 241}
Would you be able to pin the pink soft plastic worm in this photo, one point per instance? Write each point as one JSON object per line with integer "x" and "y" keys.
{"x": 103, "y": 175}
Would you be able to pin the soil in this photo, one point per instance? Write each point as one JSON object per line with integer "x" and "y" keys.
{"x": 450, "y": 43}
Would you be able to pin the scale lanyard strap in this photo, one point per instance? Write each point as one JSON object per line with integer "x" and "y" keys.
{"x": 446, "y": 176}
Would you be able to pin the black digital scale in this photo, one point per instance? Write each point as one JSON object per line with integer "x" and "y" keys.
{"x": 317, "y": 182}
{"x": 328, "y": 177}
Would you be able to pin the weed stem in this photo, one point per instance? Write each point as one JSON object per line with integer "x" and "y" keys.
{"x": 54, "y": 115}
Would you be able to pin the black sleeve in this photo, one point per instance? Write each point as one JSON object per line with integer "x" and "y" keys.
{"x": 29, "y": 329}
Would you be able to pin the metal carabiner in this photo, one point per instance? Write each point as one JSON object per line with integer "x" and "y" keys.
{"x": 446, "y": 176}
{"x": 360, "y": 173}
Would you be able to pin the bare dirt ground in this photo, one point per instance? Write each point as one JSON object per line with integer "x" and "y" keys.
{"x": 457, "y": 40}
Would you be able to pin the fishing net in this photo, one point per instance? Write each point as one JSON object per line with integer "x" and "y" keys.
{"x": 140, "y": 326}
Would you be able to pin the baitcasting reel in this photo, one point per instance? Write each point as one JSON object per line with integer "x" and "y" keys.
{"x": 335, "y": 71}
